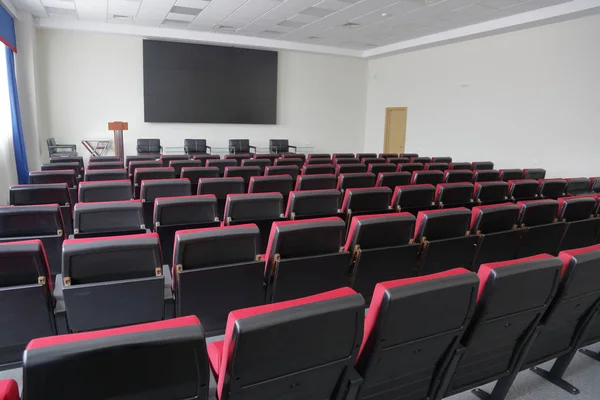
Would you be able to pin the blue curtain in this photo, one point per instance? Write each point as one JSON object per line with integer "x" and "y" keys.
{"x": 18, "y": 139}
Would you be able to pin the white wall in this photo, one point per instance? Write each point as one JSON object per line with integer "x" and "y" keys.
{"x": 88, "y": 79}
{"x": 523, "y": 99}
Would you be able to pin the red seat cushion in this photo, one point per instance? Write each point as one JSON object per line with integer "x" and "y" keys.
{"x": 9, "y": 390}
{"x": 215, "y": 352}
{"x": 567, "y": 255}
{"x": 76, "y": 337}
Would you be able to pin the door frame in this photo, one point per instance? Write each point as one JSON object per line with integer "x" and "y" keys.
{"x": 388, "y": 111}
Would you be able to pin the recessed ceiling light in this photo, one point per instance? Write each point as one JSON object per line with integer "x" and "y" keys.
{"x": 384, "y": 15}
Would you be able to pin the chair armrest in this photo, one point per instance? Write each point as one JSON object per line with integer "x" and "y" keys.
{"x": 161, "y": 149}
{"x": 273, "y": 149}
{"x": 60, "y": 310}
{"x": 168, "y": 293}
{"x": 295, "y": 148}
{"x": 64, "y": 146}
{"x": 253, "y": 147}
{"x": 232, "y": 150}
{"x": 209, "y": 149}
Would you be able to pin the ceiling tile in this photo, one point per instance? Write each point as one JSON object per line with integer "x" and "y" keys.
{"x": 192, "y": 3}
{"x": 170, "y": 23}
{"x": 292, "y": 24}
{"x": 185, "y": 10}
{"x": 333, "y": 5}
{"x": 123, "y": 7}
{"x": 315, "y": 11}
{"x": 68, "y": 5}
{"x": 180, "y": 17}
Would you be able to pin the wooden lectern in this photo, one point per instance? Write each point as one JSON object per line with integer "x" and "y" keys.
{"x": 118, "y": 127}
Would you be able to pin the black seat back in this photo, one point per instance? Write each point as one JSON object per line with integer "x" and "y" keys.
{"x": 105, "y": 165}
{"x": 456, "y": 176}
{"x": 459, "y": 166}
{"x": 49, "y": 193}
{"x": 239, "y": 145}
{"x": 356, "y": 180}
{"x": 398, "y": 160}
{"x": 289, "y": 161}
{"x": 510, "y": 174}
{"x": 426, "y": 177}
{"x": 490, "y": 192}
{"x": 436, "y": 166}
{"x": 393, "y": 179}
{"x": 203, "y": 158}
{"x": 105, "y": 191}
{"x": 261, "y": 163}
{"x": 552, "y": 188}
{"x": 277, "y": 183}
{"x": 63, "y": 166}
{"x": 221, "y": 164}
{"x": 194, "y": 174}
{"x": 350, "y": 168}
{"x": 177, "y": 165}
{"x": 313, "y": 204}
{"x": 155, "y": 188}
{"x": 534, "y": 173}
{"x": 409, "y": 167}
{"x": 413, "y": 198}
{"x": 315, "y": 182}
{"x": 148, "y": 146}
{"x": 523, "y": 189}
{"x": 482, "y": 165}
{"x": 194, "y": 146}
{"x": 577, "y": 186}
{"x": 292, "y": 170}
{"x": 454, "y": 194}
{"x": 446, "y": 160}
{"x": 108, "y": 218}
{"x": 243, "y": 172}
{"x": 346, "y": 160}
{"x": 367, "y": 200}
{"x": 66, "y": 176}
{"x": 485, "y": 175}
{"x": 105, "y": 175}
{"x": 135, "y": 164}
{"x": 318, "y": 169}
{"x": 379, "y": 168}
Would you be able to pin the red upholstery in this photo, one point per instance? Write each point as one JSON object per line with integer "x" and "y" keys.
{"x": 9, "y": 390}
{"x": 215, "y": 350}
{"x": 379, "y": 294}
{"x": 486, "y": 269}
{"x": 277, "y": 224}
{"x": 355, "y": 220}
{"x": 475, "y": 212}
{"x": 236, "y": 315}
{"x": 565, "y": 256}
{"x": 77, "y": 337}
{"x": 421, "y": 216}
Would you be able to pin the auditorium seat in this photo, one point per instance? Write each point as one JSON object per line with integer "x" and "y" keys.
{"x": 289, "y": 161}
{"x": 238, "y": 157}
{"x": 323, "y": 358}
{"x": 446, "y": 160}
{"x": 413, "y": 198}
{"x": 91, "y": 192}
{"x": 594, "y": 184}
{"x": 534, "y": 173}
{"x": 64, "y": 176}
{"x": 409, "y": 167}
{"x": 49, "y": 193}
{"x": 155, "y": 188}
{"x": 362, "y": 156}
{"x": 372, "y": 160}
{"x": 221, "y": 164}
{"x": 490, "y": 192}
{"x": 398, "y": 160}
{"x": 350, "y": 168}
{"x": 381, "y": 167}
{"x": 243, "y": 172}
{"x": 203, "y": 158}
{"x": 482, "y": 165}
{"x": 543, "y": 232}
{"x": 241, "y": 146}
{"x": 133, "y": 165}
{"x": 569, "y": 315}
{"x": 291, "y": 170}
{"x": 100, "y": 159}
{"x": 305, "y": 257}
{"x": 457, "y": 176}
{"x": 313, "y": 204}
{"x": 510, "y": 174}
{"x": 454, "y": 195}
{"x": 268, "y": 156}
{"x": 312, "y": 156}
{"x": 149, "y": 147}
{"x": 63, "y": 166}
{"x": 355, "y": 180}
{"x": 446, "y": 239}
{"x": 177, "y": 165}
{"x": 26, "y": 300}
{"x": 388, "y": 155}
{"x": 422, "y": 177}
{"x": 283, "y": 184}
{"x": 9, "y": 390}
{"x": 194, "y": 174}
{"x": 261, "y": 209}
{"x": 420, "y": 160}
{"x": 318, "y": 169}
{"x": 172, "y": 214}
{"x": 344, "y": 161}
{"x": 408, "y": 155}
{"x": 142, "y": 174}
{"x": 315, "y": 161}
{"x": 523, "y": 189}
{"x": 513, "y": 296}
{"x": 458, "y": 166}
{"x": 108, "y": 219}
{"x": 293, "y": 155}
{"x": 220, "y": 188}
{"x": 210, "y": 280}
{"x": 315, "y": 182}
{"x": 193, "y": 147}
{"x": 485, "y": 175}
{"x": 111, "y": 363}
{"x": 147, "y": 157}
{"x": 393, "y": 179}
{"x": 43, "y": 222}
{"x": 403, "y": 355}
{"x": 577, "y": 186}
{"x": 382, "y": 249}
{"x": 112, "y": 281}
{"x": 582, "y": 225}
{"x": 78, "y": 160}
{"x": 432, "y": 166}
{"x": 106, "y": 175}
{"x": 105, "y": 165}
{"x": 498, "y": 231}
{"x": 361, "y": 201}
{"x": 552, "y": 188}
{"x": 261, "y": 163}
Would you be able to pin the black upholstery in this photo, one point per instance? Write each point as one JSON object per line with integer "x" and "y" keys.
{"x": 262, "y": 163}
{"x": 220, "y": 188}
{"x": 408, "y": 155}
{"x": 413, "y": 198}
{"x": 543, "y": 233}
{"x": 491, "y": 192}
{"x": 156, "y": 188}
{"x": 313, "y": 204}
{"x": 523, "y": 189}
{"x": 485, "y": 175}
{"x": 280, "y": 146}
{"x": 552, "y": 188}
{"x": 60, "y": 150}
{"x": 420, "y": 160}
{"x": 167, "y": 158}
{"x": 238, "y": 157}
{"x": 177, "y": 165}
{"x": 108, "y": 218}
{"x": 101, "y": 159}
{"x": 105, "y": 191}
{"x": 373, "y": 160}
{"x": 241, "y": 146}
{"x": 460, "y": 166}
{"x": 196, "y": 146}
{"x": 393, "y": 179}
{"x": 582, "y": 227}
{"x": 510, "y": 174}
{"x": 482, "y": 165}
{"x": 350, "y": 168}
{"x": 323, "y": 156}
{"x": 221, "y": 164}
{"x": 49, "y": 193}
{"x": 371, "y": 200}
{"x": 454, "y": 195}
{"x": 346, "y": 160}
{"x": 577, "y": 186}
{"x": 342, "y": 155}
{"x": 142, "y": 174}
{"x": 362, "y": 156}
{"x": 380, "y": 167}
{"x": 534, "y": 173}
{"x": 203, "y": 158}
{"x": 135, "y": 164}
{"x": 105, "y": 165}
{"x": 149, "y": 146}
{"x": 398, "y": 160}
{"x": 78, "y": 160}
{"x": 456, "y": 176}
{"x": 290, "y": 161}
{"x": 193, "y": 174}
{"x": 105, "y": 175}
{"x": 426, "y": 177}
{"x": 292, "y": 155}
{"x": 436, "y": 166}
{"x": 283, "y": 184}
{"x": 63, "y": 166}
{"x": 291, "y": 170}
{"x": 446, "y": 160}
{"x": 318, "y": 169}
{"x": 243, "y": 172}
{"x": 142, "y": 157}
{"x": 356, "y": 180}
{"x": 316, "y": 182}
{"x": 409, "y": 167}
{"x": 316, "y": 161}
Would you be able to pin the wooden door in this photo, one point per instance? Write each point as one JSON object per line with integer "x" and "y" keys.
{"x": 395, "y": 129}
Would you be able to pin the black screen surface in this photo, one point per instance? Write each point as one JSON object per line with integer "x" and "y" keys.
{"x": 209, "y": 84}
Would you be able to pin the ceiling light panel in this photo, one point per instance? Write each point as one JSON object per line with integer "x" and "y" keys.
{"x": 68, "y": 5}
{"x": 123, "y": 7}
{"x": 192, "y": 3}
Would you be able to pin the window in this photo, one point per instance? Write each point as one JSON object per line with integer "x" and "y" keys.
{"x": 5, "y": 110}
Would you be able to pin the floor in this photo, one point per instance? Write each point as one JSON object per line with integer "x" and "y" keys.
{"x": 583, "y": 373}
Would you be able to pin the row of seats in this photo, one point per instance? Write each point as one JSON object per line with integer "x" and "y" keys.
{"x": 424, "y": 337}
